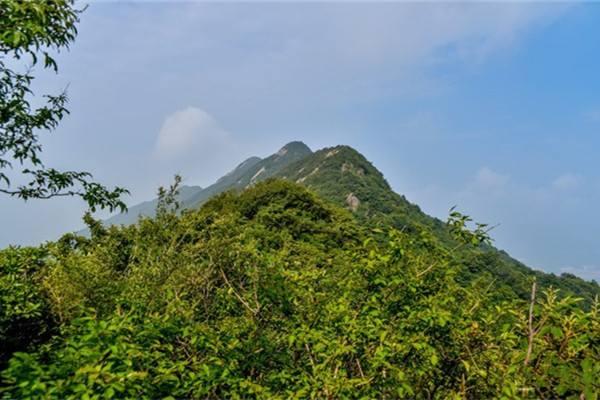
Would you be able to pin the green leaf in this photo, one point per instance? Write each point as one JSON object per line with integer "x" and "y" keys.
{"x": 433, "y": 359}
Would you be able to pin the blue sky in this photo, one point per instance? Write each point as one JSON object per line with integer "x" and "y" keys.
{"x": 494, "y": 107}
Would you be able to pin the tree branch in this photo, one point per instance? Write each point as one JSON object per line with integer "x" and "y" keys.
{"x": 532, "y": 331}
{"x": 244, "y": 302}
{"x": 43, "y": 197}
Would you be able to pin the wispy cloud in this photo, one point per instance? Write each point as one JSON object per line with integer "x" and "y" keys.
{"x": 489, "y": 179}
{"x": 284, "y": 60}
{"x": 421, "y": 126}
{"x": 187, "y": 131}
{"x": 568, "y": 182}
{"x": 193, "y": 144}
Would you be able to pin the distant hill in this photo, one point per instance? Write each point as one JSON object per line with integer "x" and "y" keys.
{"x": 148, "y": 208}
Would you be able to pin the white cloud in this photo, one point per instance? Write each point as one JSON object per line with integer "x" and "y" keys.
{"x": 487, "y": 178}
{"x": 485, "y": 187}
{"x": 287, "y": 59}
{"x": 187, "y": 131}
{"x": 568, "y": 182}
{"x": 193, "y": 144}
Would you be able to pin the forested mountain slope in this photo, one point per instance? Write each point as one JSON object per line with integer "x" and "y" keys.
{"x": 247, "y": 174}
{"x": 345, "y": 178}
{"x": 274, "y": 293}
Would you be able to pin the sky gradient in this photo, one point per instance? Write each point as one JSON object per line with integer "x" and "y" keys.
{"x": 493, "y": 107}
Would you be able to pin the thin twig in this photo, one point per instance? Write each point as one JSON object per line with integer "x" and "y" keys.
{"x": 432, "y": 265}
{"x": 312, "y": 362}
{"x": 40, "y": 196}
{"x": 478, "y": 302}
{"x": 362, "y": 375}
{"x": 255, "y": 312}
{"x": 532, "y": 332}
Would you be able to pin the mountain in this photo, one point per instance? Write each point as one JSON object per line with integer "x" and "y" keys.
{"x": 340, "y": 175}
{"x": 343, "y": 177}
{"x": 287, "y": 291}
{"x": 250, "y": 171}
{"x": 148, "y": 208}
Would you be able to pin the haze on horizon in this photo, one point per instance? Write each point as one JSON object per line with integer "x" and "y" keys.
{"x": 494, "y": 107}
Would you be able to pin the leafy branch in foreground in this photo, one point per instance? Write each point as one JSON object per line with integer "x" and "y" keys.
{"x": 457, "y": 224}
{"x": 34, "y": 28}
{"x": 51, "y": 183}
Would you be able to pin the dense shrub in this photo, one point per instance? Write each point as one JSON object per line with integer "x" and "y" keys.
{"x": 273, "y": 293}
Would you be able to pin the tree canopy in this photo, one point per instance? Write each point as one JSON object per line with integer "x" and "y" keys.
{"x": 34, "y": 29}
{"x": 274, "y": 293}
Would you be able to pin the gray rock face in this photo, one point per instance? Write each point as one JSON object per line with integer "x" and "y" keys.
{"x": 353, "y": 202}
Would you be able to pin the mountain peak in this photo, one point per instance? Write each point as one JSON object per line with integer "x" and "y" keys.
{"x": 295, "y": 147}
{"x": 343, "y": 176}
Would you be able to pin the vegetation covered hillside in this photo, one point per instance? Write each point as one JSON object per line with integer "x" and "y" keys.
{"x": 274, "y": 293}
{"x": 342, "y": 176}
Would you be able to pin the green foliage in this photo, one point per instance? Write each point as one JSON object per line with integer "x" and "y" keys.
{"x": 273, "y": 293}
{"x": 34, "y": 28}
{"x": 335, "y": 173}
{"x": 23, "y": 309}
{"x": 343, "y": 177}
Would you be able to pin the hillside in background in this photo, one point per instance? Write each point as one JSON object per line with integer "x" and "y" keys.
{"x": 345, "y": 178}
{"x": 148, "y": 208}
